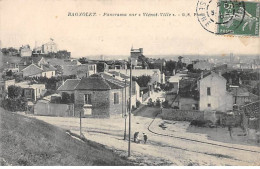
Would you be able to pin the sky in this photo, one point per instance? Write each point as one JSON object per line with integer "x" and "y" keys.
{"x": 25, "y": 22}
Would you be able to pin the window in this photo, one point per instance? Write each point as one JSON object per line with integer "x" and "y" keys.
{"x": 209, "y": 105}
{"x": 87, "y": 98}
{"x": 208, "y": 91}
{"x": 116, "y": 98}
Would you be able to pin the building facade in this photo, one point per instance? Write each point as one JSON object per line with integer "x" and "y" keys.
{"x": 213, "y": 94}
{"x": 25, "y": 51}
{"x": 50, "y": 47}
{"x": 96, "y": 96}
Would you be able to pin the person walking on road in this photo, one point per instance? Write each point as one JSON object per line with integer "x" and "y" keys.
{"x": 230, "y": 130}
{"x": 145, "y": 138}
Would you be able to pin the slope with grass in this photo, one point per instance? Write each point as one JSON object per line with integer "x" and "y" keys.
{"x": 28, "y": 141}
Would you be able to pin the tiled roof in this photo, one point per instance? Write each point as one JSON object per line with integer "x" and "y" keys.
{"x": 98, "y": 83}
{"x": 47, "y": 68}
{"x": 69, "y": 85}
{"x": 93, "y": 83}
{"x": 113, "y": 84}
{"x": 33, "y": 69}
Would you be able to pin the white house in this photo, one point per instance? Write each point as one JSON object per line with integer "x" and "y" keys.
{"x": 175, "y": 82}
{"x": 32, "y": 91}
{"x": 36, "y": 71}
{"x": 25, "y": 51}
{"x": 213, "y": 93}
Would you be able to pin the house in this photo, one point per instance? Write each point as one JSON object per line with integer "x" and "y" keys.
{"x": 26, "y": 61}
{"x": 32, "y": 91}
{"x": 69, "y": 87}
{"x": 25, "y": 51}
{"x": 49, "y": 47}
{"x": 83, "y": 70}
{"x": 202, "y": 65}
{"x": 242, "y": 96}
{"x": 213, "y": 93}
{"x": 97, "y": 96}
{"x": 120, "y": 79}
{"x": 174, "y": 82}
{"x": 135, "y": 54}
{"x": 36, "y": 71}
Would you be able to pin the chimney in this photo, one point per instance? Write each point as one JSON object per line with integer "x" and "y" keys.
{"x": 201, "y": 75}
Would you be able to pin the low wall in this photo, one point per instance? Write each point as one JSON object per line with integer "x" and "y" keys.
{"x": 181, "y": 115}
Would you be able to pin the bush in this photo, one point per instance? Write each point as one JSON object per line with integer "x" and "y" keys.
{"x": 15, "y": 104}
{"x": 14, "y": 91}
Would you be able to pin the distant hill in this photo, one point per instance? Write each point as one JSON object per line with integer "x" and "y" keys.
{"x": 28, "y": 141}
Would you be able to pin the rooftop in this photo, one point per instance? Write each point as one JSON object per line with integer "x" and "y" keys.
{"x": 69, "y": 85}
{"x": 96, "y": 83}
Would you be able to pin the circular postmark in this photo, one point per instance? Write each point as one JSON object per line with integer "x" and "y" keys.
{"x": 213, "y": 14}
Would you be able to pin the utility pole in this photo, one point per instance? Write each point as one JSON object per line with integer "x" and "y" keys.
{"x": 80, "y": 133}
{"x": 125, "y": 115}
{"x": 130, "y": 109}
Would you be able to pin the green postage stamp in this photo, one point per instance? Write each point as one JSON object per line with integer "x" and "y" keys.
{"x": 230, "y": 17}
{"x": 239, "y": 18}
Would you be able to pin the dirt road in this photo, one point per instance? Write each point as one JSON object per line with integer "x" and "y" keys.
{"x": 162, "y": 150}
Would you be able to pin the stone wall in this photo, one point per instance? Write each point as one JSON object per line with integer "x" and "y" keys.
{"x": 182, "y": 115}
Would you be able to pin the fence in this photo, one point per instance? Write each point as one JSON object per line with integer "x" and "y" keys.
{"x": 51, "y": 109}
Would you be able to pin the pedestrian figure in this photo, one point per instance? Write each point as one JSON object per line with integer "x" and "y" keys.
{"x": 230, "y": 130}
{"x": 136, "y": 136}
{"x": 145, "y": 138}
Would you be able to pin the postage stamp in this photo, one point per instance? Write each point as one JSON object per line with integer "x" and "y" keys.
{"x": 240, "y": 18}
{"x": 245, "y": 21}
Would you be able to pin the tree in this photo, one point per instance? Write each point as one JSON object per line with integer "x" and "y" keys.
{"x": 14, "y": 92}
{"x": 190, "y": 67}
{"x": 170, "y": 66}
{"x": 5, "y": 51}
{"x": 67, "y": 98}
{"x": 143, "y": 80}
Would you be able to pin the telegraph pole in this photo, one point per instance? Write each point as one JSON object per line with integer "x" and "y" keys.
{"x": 80, "y": 133}
{"x": 130, "y": 109}
{"x": 125, "y": 112}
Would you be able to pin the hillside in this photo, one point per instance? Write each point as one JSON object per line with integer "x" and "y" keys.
{"x": 28, "y": 141}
